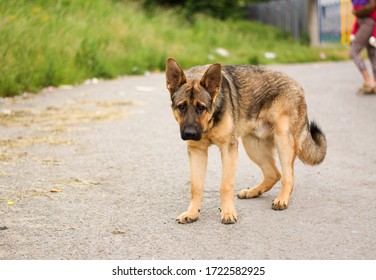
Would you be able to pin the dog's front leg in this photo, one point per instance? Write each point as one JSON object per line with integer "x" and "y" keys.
{"x": 229, "y": 153}
{"x": 198, "y": 158}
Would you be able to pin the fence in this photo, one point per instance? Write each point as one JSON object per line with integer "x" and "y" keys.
{"x": 288, "y": 15}
{"x": 334, "y": 17}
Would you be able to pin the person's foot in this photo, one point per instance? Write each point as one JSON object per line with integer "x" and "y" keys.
{"x": 367, "y": 89}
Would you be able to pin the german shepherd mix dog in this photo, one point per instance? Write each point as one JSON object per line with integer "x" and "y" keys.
{"x": 266, "y": 109}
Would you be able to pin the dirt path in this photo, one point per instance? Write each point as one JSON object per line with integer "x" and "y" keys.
{"x": 99, "y": 172}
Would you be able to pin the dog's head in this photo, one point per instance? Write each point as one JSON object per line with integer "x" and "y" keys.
{"x": 193, "y": 98}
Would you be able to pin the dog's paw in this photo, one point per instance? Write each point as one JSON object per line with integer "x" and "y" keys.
{"x": 228, "y": 218}
{"x": 280, "y": 204}
{"x": 228, "y": 215}
{"x": 187, "y": 217}
{"x": 247, "y": 193}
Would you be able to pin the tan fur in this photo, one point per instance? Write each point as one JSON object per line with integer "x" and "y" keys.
{"x": 266, "y": 109}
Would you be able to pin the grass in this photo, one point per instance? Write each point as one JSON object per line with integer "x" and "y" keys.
{"x": 54, "y": 42}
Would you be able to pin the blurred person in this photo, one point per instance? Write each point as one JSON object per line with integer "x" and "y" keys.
{"x": 357, "y": 4}
{"x": 364, "y": 32}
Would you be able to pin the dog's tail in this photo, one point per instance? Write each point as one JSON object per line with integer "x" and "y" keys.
{"x": 313, "y": 145}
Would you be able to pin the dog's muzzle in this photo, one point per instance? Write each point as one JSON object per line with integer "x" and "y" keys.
{"x": 190, "y": 133}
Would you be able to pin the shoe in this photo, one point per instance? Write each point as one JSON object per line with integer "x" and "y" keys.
{"x": 372, "y": 41}
{"x": 367, "y": 89}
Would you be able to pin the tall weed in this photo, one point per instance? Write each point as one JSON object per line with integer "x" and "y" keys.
{"x": 53, "y": 42}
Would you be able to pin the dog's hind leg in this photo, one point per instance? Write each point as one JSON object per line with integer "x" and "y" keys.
{"x": 260, "y": 152}
{"x": 286, "y": 151}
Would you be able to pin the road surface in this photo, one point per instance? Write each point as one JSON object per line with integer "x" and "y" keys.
{"x": 99, "y": 171}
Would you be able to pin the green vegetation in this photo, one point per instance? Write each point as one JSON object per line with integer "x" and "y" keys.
{"x": 54, "y": 42}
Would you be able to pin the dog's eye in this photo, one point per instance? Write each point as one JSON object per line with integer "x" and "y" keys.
{"x": 182, "y": 107}
{"x": 200, "y": 108}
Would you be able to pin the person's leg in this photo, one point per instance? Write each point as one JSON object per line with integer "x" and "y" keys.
{"x": 372, "y": 39}
{"x": 355, "y": 51}
{"x": 371, "y": 51}
{"x": 365, "y": 31}
{"x": 354, "y": 30}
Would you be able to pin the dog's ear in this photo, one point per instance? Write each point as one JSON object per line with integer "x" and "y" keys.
{"x": 212, "y": 79}
{"x": 175, "y": 77}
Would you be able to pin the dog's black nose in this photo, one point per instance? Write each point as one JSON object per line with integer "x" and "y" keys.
{"x": 190, "y": 133}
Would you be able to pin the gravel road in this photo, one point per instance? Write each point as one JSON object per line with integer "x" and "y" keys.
{"x": 99, "y": 171}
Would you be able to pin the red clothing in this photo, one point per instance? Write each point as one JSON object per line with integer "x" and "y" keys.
{"x": 356, "y": 25}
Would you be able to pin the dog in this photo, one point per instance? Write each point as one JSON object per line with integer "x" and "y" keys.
{"x": 266, "y": 109}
